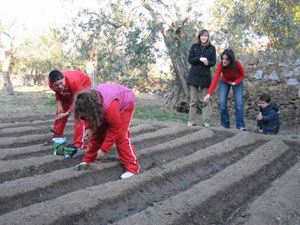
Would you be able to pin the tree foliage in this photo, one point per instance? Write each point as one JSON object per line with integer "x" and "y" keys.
{"x": 241, "y": 24}
{"x": 120, "y": 45}
{"x": 124, "y": 38}
{"x": 39, "y": 55}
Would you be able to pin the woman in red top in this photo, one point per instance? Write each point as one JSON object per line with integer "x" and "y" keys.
{"x": 232, "y": 73}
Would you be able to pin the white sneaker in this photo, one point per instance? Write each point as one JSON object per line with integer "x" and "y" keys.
{"x": 243, "y": 129}
{"x": 191, "y": 124}
{"x": 127, "y": 174}
{"x": 82, "y": 166}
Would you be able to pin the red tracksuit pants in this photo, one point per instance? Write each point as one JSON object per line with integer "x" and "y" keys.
{"x": 79, "y": 129}
{"x": 126, "y": 150}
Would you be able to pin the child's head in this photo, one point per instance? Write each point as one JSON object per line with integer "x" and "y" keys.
{"x": 88, "y": 107}
{"x": 57, "y": 79}
{"x": 264, "y": 100}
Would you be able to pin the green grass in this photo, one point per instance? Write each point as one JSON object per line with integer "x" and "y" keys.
{"x": 152, "y": 110}
{"x": 157, "y": 112}
{"x": 50, "y": 100}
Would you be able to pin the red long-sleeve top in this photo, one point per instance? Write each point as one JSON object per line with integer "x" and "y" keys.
{"x": 112, "y": 118}
{"x": 116, "y": 99}
{"x": 227, "y": 76}
{"x": 75, "y": 81}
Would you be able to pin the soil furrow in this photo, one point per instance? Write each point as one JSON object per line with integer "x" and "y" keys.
{"x": 212, "y": 201}
{"x": 172, "y": 182}
{"x": 5, "y": 126}
{"x": 26, "y": 191}
{"x": 155, "y": 185}
{"x": 22, "y": 119}
{"x": 186, "y": 145}
{"x": 28, "y": 140}
{"x": 189, "y": 175}
{"x": 161, "y": 136}
{"x": 275, "y": 205}
{"x": 32, "y": 130}
{"x": 41, "y": 150}
{"x": 25, "y": 152}
{"x": 22, "y": 197}
{"x": 14, "y": 169}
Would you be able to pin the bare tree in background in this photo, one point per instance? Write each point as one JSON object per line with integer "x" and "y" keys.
{"x": 8, "y": 54}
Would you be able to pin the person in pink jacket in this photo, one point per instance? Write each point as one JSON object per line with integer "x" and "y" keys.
{"x": 108, "y": 110}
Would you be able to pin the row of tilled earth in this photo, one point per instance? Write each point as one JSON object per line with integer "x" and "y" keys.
{"x": 189, "y": 175}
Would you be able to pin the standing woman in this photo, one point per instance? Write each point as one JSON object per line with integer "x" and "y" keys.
{"x": 202, "y": 57}
{"x": 232, "y": 73}
{"x": 108, "y": 110}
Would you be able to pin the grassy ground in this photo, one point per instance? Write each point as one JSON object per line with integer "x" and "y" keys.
{"x": 26, "y": 101}
{"x": 34, "y": 100}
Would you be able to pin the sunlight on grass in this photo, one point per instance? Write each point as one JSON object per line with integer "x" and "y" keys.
{"x": 27, "y": 100}
{"x": 35, "y": 88}
{"x": 157, "y": 112}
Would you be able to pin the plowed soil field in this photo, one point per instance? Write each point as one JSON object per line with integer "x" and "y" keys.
{"x": 190, "y": 175}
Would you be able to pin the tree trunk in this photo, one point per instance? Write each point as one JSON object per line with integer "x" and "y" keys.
{"x": 178, "y": 43}
{"x": 7, "y": 85}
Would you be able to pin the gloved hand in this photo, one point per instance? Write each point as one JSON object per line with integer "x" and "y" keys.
{"x": 82, "y": 166}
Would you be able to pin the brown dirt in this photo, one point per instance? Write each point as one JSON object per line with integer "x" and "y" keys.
{"x": 190, "y": 175}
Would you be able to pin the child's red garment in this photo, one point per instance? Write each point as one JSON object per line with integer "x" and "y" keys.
{"x": 227, "y": 76}
{"x": 118, "y": 108}
{"x": 75, "y": 81}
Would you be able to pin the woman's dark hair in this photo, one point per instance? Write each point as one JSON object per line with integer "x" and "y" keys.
{"x": 89, "y": 103}
{"x": 202, "y": 32}
{"x": 230, "y": 54}
{"x": 55, "y": 75}
{"x": 265, "y": 97}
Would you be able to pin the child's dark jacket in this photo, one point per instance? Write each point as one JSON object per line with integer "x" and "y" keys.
{"x": 270, "y": 121}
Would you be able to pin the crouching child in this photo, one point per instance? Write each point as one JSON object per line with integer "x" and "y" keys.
{"x": 268, "y": 118}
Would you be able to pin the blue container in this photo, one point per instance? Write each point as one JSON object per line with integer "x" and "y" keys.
{"x": 57, "y": 142}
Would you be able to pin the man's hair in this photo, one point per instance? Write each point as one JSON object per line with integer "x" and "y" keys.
{"x": 55, "y": 75}
{"x": 265, "y": 97}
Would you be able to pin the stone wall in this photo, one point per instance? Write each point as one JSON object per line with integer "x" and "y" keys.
{"x": 277, "y": 74}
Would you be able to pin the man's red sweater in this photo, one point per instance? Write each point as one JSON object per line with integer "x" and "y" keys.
{"x": 75, "y": 81}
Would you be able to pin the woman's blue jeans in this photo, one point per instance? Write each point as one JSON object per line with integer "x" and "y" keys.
{"x": 238, "y": 102}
